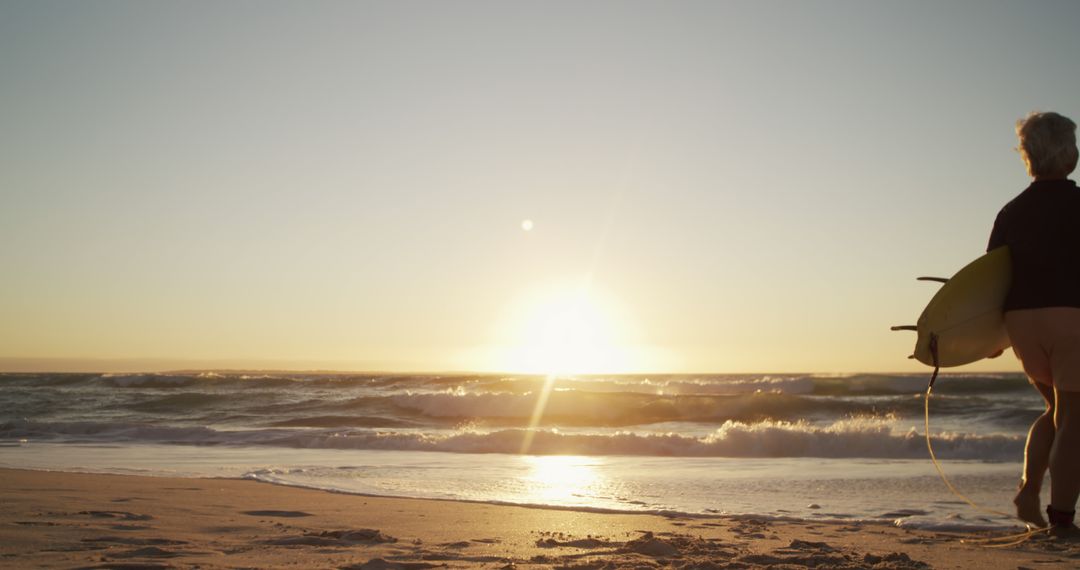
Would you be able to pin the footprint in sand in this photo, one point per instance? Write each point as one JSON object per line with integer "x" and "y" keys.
{"x": 123, "y": 515}
{"x": 334, "y": 538}
{"x": 380, "y": 564}
{"x": 578, "y": 543}
{"x": 134, "y": 541}
{"x": 148, "y": 552}
{"x": 129, "y": 527}
{"x": 282, "y": 514}
{"x": 128, "y": 566}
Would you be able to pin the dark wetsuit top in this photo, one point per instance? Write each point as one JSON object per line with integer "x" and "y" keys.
{"x": 1041, "y": 226}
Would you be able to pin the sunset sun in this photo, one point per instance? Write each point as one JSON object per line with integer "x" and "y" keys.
{"x": 564, "y": 332}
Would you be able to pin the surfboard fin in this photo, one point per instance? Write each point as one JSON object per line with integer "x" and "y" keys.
{"x": 904, "y": 328}
{"x": 938, "y": 279}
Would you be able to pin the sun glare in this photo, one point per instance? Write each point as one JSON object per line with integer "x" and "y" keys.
{"x": 560, "y": 478}
{"x": 565, "y": 332}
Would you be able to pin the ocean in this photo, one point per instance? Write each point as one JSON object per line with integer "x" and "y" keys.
{"x": 814, "y": 447}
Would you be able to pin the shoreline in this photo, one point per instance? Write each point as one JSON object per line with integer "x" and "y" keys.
{"x": 577, "y": 509}
{"x": 67, "y": 519}
{"x": 828, "y": 490}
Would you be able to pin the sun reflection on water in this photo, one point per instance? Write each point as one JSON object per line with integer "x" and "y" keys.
{"x": 562, "y": 479}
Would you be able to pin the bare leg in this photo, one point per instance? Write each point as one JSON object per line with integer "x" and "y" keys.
{"x": 1064, "y": 459}
{"x": 1036, "y": 459}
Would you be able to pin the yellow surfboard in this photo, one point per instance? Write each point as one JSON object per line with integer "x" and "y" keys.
{"x": 964, "y": 319}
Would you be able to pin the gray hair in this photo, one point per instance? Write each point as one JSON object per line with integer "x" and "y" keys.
{"x": 1047, "y": 144}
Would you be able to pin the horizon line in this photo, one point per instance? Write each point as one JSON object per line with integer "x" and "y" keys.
{"x": 481, "y": 373}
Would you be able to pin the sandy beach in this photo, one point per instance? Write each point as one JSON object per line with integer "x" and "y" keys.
{"x": 76, "y": 520}
{"x": 561, "y": 285}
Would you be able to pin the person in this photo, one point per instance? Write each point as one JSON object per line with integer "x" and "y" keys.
{"x": 1041, "y": 227}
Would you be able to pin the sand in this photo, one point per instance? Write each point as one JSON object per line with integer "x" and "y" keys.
{"x": 76, "y": 520}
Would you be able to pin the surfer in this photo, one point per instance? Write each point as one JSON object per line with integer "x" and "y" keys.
{"x": 1041, "y": 226}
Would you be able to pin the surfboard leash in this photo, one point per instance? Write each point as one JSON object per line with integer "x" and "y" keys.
{"x": 937, "y": 364}
{"x": 992, "y": 542}
{"x": 929, "y": 444}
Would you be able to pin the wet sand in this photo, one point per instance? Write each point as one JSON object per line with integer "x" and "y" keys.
{"x": 74, "y": 520}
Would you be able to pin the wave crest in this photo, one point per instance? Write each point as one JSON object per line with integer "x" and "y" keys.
{"x": 854, "y": 438}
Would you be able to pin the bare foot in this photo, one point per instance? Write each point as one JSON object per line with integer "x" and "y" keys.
{"x": 1027, "y": 508}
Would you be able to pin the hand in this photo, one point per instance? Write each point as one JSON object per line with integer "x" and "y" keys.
{"x": 997, "y": 354}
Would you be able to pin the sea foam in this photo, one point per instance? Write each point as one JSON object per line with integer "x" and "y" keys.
{"x": 865, "y": 438}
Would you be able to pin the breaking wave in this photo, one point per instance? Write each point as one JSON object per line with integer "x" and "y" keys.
{"x": 856, "y": 438}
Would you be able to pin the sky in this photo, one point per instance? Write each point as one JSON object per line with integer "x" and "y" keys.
{"x": 719, "y": 187}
